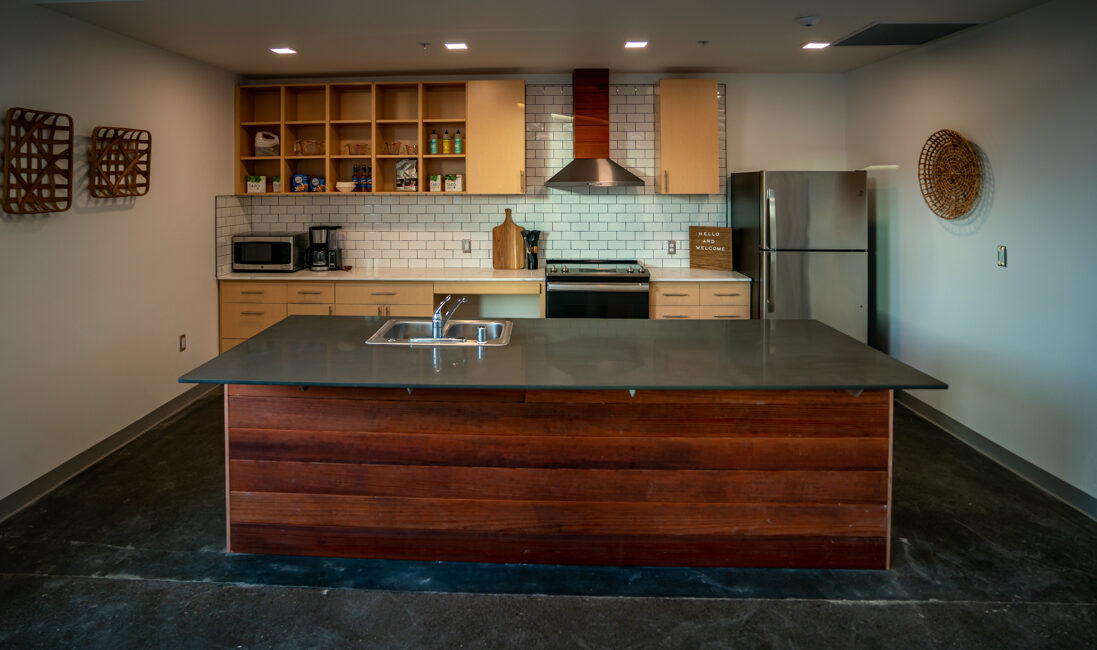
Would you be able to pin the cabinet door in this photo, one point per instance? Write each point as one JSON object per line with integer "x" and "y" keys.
{"x": 495, "y": 154}
{"x": 689, "y": 153}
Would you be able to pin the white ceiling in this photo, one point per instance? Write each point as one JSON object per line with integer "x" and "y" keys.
{"x": 367, "y": 37}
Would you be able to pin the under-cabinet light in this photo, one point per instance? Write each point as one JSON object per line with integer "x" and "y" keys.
{"x": 816, "y": 46}
{"x": 283, "y": 50}
{"x": 457, "y": 46}
{"x": 635, "y": 44}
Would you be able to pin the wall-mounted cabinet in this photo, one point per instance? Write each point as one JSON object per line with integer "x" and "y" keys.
{"x": 330, "y": 130}
{"x": 689, "y": 154}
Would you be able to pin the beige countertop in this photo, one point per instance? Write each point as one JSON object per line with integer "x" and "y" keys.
{"x": 694, "y": 275}
{"x": 387, "y": 274}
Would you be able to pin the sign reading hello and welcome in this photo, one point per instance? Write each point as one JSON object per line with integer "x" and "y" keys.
{"x": 710, "y": 248}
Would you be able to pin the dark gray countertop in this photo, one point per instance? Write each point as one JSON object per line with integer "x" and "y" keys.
{"x": 567, "y": 353}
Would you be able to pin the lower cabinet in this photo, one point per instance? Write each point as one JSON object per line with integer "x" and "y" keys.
{"x": 704, "y": 300}
{"x": 249, "y": 307}
{"x": 402, "y": 299}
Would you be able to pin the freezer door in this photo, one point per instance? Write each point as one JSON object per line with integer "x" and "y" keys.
{"x": 814, "y": 211}
{"x": 831, "y": 287}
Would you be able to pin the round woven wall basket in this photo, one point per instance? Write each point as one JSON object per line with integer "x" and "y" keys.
{"x": 950, "y": 174}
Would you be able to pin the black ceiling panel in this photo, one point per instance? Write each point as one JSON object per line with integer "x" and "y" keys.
{"x": 902, "y": 33}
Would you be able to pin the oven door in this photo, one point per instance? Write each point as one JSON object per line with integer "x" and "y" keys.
{"x": 596, "y": 300}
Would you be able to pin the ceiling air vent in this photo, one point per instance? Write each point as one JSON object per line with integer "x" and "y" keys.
{"x": 902, "y": 33}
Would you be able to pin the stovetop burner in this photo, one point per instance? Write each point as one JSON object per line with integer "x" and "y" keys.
{"x": 568, "y": 269}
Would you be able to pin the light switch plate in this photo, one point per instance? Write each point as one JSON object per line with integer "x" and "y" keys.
{"x": 1001, "y": 256}
{"x": 466, "y": 245}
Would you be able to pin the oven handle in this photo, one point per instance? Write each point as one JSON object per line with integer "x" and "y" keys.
{"x": 609, "y": 287}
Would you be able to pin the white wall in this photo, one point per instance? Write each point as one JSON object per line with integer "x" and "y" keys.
{"x": 1016, "y": 344}
{"x": 94, "y": 298}
{"x": 791, "y": 122}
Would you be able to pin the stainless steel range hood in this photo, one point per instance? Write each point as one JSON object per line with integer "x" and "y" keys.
{"x": 592, "y": 165}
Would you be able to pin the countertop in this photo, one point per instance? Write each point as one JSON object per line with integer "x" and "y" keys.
{"x": 694, "y": 275}
{"x": 564, "y": 353}
{"x": 388, "y": 274}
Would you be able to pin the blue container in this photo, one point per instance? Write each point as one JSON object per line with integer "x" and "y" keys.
{"x": 300, "y": 183}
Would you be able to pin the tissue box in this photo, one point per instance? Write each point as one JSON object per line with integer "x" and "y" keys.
{"x": 455, "y": 182}
{"x": 257, "y": 184}
{"x": 435, "y": 183}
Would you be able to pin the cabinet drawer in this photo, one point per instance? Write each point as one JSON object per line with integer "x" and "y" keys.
{"x": 725, "y": 293}
{"x": 384, "y": 293}
{"x": 676, "y": 312}
{"x": 228, "y": 344}
{"x": 726, "y": 312}
{"x": 413, "y": 311}
{"x": 244, "y": 320}
{"x": 253, "y": 292}
{"x": 310, "y": 292}
{"x": 390, "y": 311}
{"x": 309, "y": 309}
{"x": 675, "y": 293}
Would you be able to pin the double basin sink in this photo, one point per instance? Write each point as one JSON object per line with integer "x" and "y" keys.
{"x": 472, "y": 333}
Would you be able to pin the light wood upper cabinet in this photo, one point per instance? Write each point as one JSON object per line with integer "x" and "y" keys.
{"x": 689, "y": 154}
{"x": 496, "y": 155}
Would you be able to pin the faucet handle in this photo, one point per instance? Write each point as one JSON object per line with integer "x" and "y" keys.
{"x": 438, "y": 309}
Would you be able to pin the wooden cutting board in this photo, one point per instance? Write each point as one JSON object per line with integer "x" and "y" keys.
{"x": 508, "y": 249}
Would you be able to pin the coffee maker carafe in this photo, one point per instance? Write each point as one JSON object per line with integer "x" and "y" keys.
{"x": 323, "y": 253}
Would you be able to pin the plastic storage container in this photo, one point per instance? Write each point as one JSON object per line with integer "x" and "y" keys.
{"x": 266, "y": 144}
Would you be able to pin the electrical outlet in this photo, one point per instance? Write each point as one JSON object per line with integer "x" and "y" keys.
{"x": 1001, "y": 256}
{"x": 182, "y": 342}
{"x": 672, "y": 247}
{"x": 466, "y": 245}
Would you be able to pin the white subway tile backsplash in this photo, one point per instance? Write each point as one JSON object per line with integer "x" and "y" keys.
{"x": 422, "y": 231}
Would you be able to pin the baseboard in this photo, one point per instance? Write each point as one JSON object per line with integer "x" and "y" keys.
{"x": 53, "y": 479}
{"x": 1049, "y": 483}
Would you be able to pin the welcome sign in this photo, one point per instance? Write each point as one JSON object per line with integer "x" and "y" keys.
{"x": 710, "y": 248}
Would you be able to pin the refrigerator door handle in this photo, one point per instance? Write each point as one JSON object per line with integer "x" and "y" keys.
{"x": 769, "y": 235}
{"x": 770, "y": 280}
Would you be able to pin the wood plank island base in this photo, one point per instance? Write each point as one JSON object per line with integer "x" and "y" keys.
{"x": 582, "y": 441}
{"x": 744, "y": 478}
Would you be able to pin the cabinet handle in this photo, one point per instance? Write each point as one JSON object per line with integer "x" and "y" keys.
{"x": 317, "y": 293}
{"x": 382, "y": 293}
{"x": 674, "y": 316}
{"x": 388, "y": 311}
{"x": 726, "y": 316}
{"x": 331, "y": 310}
{"x": 666, "y": 182}
{"x": 379, "y": 309}
{"x": 252, "y": 293}
{"x": 253, "y": 313}
{"x": 522, "y": 180}
{"x": 726, "y": 294}
{"x": 675, "y": 295}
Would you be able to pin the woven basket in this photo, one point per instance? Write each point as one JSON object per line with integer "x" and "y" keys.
{"x": 950, "y": 174}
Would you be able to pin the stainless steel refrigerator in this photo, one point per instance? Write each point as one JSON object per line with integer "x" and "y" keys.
{"x": 802, "y": 237}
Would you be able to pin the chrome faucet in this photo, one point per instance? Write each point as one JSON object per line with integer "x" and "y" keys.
{"x": 438, "y": 321}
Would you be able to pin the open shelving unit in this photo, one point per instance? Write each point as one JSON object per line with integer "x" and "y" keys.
{"x": 356, "y": 124}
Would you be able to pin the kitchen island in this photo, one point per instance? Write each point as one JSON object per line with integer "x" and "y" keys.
{"x": 586, "y": 441}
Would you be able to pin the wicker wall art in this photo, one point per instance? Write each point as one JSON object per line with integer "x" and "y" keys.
{"x": 950, "y": 174}
{"x": 120, "y": 160}
{"x": 37, "y": 162}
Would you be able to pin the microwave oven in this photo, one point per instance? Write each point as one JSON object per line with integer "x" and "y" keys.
{"x": 269, "y": 251}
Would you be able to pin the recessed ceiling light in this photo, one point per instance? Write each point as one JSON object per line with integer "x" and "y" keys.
{"x": 283, "y": 50}
{"x": 816, "y": 46}
{"x": 636, "y": 44}
{"x": 457, "y": 46}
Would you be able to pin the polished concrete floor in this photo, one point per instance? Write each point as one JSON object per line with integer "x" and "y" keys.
{"x": 130, "y": 554}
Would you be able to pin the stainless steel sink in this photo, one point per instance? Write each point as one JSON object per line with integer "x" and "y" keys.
{"x": 457, "y": 333}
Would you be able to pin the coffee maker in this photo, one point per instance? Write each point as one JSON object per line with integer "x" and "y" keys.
{"x": 323, "y": 252}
